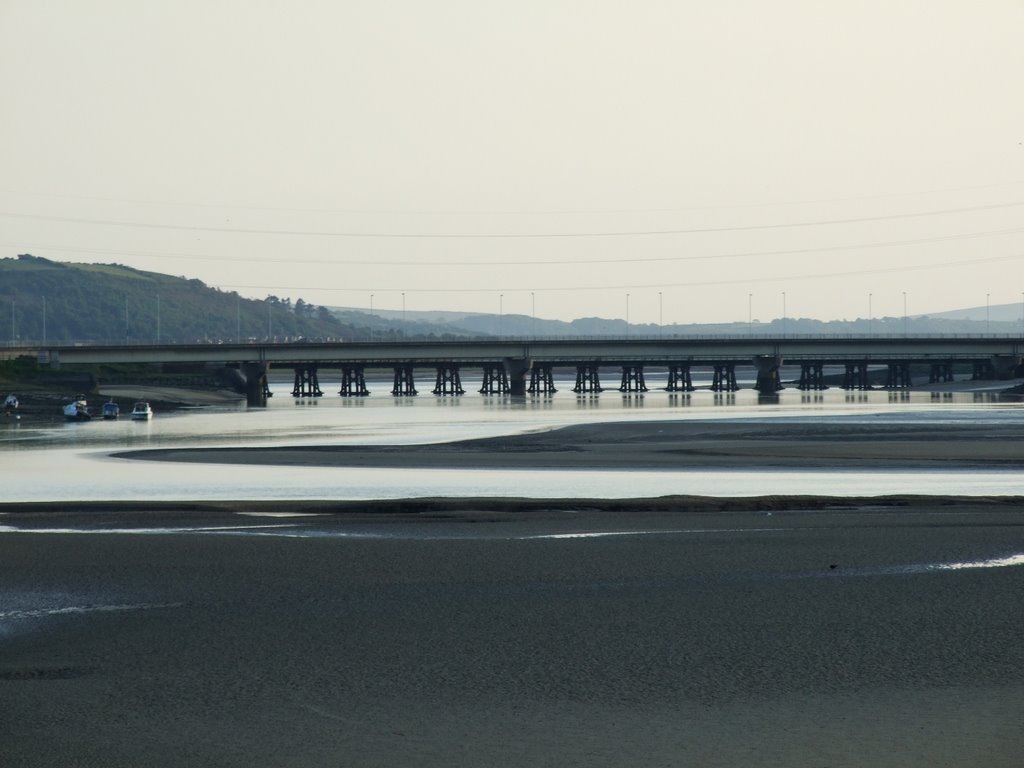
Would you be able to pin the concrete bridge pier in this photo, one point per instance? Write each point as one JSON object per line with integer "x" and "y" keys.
{"x": 856, "y": 376}
{"x": 724, "y": 378}
{"x": 812, "y": 376}
{"x": 898, "y": 376}
{"x": 679, "y": 379}
{"x": 257, "y": 390}
{"x": 1004, "y": 366}
{"x": 940, "y": 373}
{"x": 587, "y": 379}
{"x": 542, "y": 381}
{"x": 353, "y": 381}
{"x": 633, "y": 378}
{"x": 405, "y": 384}
{"x": 983, "y": 371}
{"x": 517, "y": 368}
{"x": 495, "y": 380}
{"x": 306, "y": 382}
{"x": 448, "y": 381}
{"x": 768, "y": 380}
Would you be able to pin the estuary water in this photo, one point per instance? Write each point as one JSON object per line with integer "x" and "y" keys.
{"x": 72, "y": 461}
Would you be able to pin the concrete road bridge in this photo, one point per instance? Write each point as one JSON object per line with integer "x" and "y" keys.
{"x": 524, "y": 366}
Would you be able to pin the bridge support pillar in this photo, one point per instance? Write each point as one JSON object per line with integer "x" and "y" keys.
{"x": 633, "y": 378}
{"x": 1004, "y": 365}
{"x": 517, "y": 368}
{"x": 724, "y": 379}
{"x": 448, "y": 380}
{"x": 405, "y": 384}
{"x": 256, "y": 388}
{"x": 542, "y": 381}
{"x": 768, "y": 381}
{"x": 856, "y": 376}
{"x": 495, "y": 381}
{"x": 306, "y": 381}
{"x": 679, "y": 379}
{"x": 898, "y": 376}
{"x": 812, "y": 376}
{"x": 940, "y": 372}
{"x": 983, "y": 371}
{"x": 353, "y": 381}
{"x": 587, "y": 379}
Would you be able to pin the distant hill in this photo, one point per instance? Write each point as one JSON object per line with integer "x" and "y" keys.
{"x": 1002, "y": 319}
{"x": 64, "y": 303}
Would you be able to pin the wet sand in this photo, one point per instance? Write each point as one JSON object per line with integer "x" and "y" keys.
{"x": 818, "y": 637}
{"x": 666, "y": 445}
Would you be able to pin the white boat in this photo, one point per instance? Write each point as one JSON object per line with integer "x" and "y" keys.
{"x": 77, "y": 409}
{"x": 10, "y": 403}
{"x": 142, "y": 412}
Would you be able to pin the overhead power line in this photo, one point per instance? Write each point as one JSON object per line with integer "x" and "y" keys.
{"x": 339, "y": 261}
{"x": 505, "y": 235}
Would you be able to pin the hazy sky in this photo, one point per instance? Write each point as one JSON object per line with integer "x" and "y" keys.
{"x": 469, "y": 154}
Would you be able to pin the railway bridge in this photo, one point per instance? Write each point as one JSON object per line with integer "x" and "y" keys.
{"x": 524, "y": 366}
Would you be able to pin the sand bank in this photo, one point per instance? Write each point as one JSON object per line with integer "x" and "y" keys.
{"x": 664, "y": 446}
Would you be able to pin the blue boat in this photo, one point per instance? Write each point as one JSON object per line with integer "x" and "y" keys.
{"x": 111, "y": 410}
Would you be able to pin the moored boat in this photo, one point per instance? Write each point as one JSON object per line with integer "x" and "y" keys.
{"x": 111, "y": 410}
{"x": 77, "y": 409}
{"x": 142, "y": 411}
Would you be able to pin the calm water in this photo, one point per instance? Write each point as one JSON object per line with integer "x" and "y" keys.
{"x": 71, "y": 461}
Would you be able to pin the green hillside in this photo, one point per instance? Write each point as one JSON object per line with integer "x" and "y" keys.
{"x": 64, "y": 303}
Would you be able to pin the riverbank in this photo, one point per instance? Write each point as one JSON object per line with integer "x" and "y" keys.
{"x": 46, "y": 407}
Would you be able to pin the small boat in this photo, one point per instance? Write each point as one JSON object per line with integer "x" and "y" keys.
{"x": 111, "y": 410}
{"x": 77, "y": 409}
{"x": 142, "y": 412}
{"x": 10, "y": 404}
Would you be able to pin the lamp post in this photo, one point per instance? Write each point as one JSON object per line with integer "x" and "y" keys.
{"x": 750, "y": 314}
{"x": 44, "y": 319}
{"x": 370, "y": 321}
{"x": 403, "y": 307}
{"x": 627, "y": 314}
{"x": 904, "y": 313}
{"x": 661, "y": 320}
{"x": 987, "y": 316}
{"x": 783, "y": 313}
{"x": 501, "y": 311}
{"x": 871, "y": 316}
{"x": 533, "y": 315}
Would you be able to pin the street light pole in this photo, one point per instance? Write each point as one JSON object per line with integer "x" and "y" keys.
{"x": 987, "y": 316}
{"x": 627, "y": 314}
{"x": 533, "y": 315}
{"x": 501, "y": 312}
{"x": 783, "y": 313}
{"x": 871, "y": 316}
{"x": 750, "y": 314}
{"x": 661, "y": 319}
{"x": 370, "y": 321}
{"x": 904, "y": 313}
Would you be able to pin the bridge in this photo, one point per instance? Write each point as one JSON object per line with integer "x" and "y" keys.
{"x": 524, "y": 366}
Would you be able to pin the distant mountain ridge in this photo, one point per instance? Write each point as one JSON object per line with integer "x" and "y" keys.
{"x": 44, "y": 301}
{"x": 65, "y": 303}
